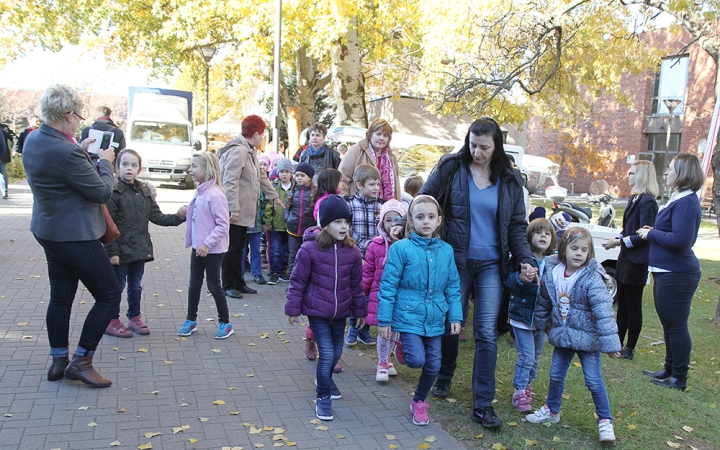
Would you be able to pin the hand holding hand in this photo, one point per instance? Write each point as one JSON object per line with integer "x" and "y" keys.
{"x": 115, "y": 260}
{"x": 528, "y": 273}
{"x": 293, "y": 320}
{"x": 266, "y": 228}
{"x": 384, "y": 332}
{"x": 182, "y": 212}
{"x": 643, "y": 232}
{"x": 614, "y": 355}
{"x": 202, "y": 251}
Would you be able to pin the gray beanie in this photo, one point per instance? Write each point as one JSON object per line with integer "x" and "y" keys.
{"x": 284, "y": 164}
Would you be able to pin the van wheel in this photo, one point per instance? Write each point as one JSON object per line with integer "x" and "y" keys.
{"x": 188, "y": 183}
{"x": 612, "y": 282}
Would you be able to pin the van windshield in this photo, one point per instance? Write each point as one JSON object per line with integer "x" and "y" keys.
{"x": 420, "y": 159}
{"x": 160, "y": 132}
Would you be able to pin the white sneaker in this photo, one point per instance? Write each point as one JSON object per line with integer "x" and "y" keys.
{"x": 391, "y": 369}
{"x": 543, "y": 415}
{"x": 607, "y": 431}
{"x": 382, "y": 372}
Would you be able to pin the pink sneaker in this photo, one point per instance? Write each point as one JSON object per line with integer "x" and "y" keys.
{"x": 136, "y": 325}
{"x": 520, "y": 402}
{"x": 419, "y": 412}
{"x": 117, "y": 329}
{"x": 529, "y": 393}
{"x": 382, "y": 372}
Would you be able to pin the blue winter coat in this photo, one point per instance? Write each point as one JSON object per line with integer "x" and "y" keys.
{"x": 420, "y": 287}
{"x": 523, "y": 297}
{"x": 326, "y": 284}
{"x": 590, "y": 324}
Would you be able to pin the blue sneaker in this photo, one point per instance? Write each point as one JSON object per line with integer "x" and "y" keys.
{"x": 188, "y": 327}
{"x": 352, "y": 334}
{"x": 323, "y": 408}
{"x": 225, "y": 330}
{"x": 335, "y": 393}
{"x": 365, "y": 337}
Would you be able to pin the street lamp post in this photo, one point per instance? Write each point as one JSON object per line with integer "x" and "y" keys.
{"x": 207, "y": 51}
{"x": 670, "y": 104}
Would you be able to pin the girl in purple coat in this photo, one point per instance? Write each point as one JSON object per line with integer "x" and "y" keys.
{"x": 208, "y": 220}
{"x": 326, "y": 285}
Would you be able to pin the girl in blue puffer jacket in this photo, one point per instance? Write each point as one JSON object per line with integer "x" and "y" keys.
{"x": 326, "y": 285}
{"x": 420, "y": 287}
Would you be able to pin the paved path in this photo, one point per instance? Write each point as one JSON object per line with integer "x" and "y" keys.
{"x": 161, "y": 382}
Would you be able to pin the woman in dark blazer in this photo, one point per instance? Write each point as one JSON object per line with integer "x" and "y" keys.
{"x": 632, "y": 267}
{"x": 67, "y": 221}
{"x": 675, "y": 268}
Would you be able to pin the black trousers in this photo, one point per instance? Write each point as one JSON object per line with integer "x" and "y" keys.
{"x": 209, "y": 268}
{"x": 629, "y": 312}
{"x": 232, "y": 274}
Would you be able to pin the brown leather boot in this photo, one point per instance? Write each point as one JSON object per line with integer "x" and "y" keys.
{"x": 57, "y": 368}
{"x": 80, "y": 368}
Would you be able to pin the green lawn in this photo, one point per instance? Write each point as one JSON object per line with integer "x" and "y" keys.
{"x": 645, "y": 416}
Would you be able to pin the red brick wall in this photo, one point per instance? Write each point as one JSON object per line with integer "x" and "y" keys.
{"x": 618, "y": 129}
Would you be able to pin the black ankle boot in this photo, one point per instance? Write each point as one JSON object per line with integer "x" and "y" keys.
{"x": 627, "y": 353}
{"x": 672, "y": 383}
{"x": 660, "y": 374}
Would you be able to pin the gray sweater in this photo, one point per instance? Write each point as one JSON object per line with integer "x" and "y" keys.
{"x": 590, "y": 325}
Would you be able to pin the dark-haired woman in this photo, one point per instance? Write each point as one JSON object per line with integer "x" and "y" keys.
{"x": 484, "y": 220}
{"x": 675, "y": 268}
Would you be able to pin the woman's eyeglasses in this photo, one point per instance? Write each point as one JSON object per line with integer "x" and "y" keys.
{"x": 82, "y": 119}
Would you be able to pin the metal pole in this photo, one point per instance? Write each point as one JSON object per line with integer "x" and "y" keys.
{"x": 276, "y": 76}
{"x": 207, "y": 102}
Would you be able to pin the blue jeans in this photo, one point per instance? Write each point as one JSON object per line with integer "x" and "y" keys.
{"x": 529, "y": 345}
{"x": 422, "y": 352}
{"x": 68, "y": 263}
{"x": 280, "y": 252}
{"x": 255, "y": 256}
{"x": 481, "y": 279}
{"x": 329, "y": 336}
{"x": 130, "y": 274}
{"x": 3, "y": 178}
{"x": 590, "y": 361}
{"x": 673, "y": 292}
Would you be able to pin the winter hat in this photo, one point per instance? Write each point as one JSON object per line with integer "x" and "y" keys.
{"x": 307, "y": 169}
{"x": 560, "y": 221}
{"x": 538, "y": 213}
{"x": 332, "y": 208}
{"x": 264, "y": 158}
{"x": 274, "y": 156}
{"x": 391, "y": 205}
{"x": 285, "y": 164}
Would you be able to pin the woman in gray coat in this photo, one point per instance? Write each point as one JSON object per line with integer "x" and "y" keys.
{"x": 67, "y": 220}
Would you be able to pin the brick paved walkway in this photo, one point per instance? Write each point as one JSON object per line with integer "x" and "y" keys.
{"x": 161, "y": 382}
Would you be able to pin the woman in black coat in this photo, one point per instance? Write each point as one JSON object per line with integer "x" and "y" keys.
{"x": 632, "y": 267}
{"x": 483, "y": 209}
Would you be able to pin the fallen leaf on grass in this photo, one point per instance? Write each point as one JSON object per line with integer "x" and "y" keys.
{"x": 547, "y": 424}
{"x": 633, "y": 414}
{"x": 577, "y": 364}
{"x": 530, "y": 443}
{"x": 390, "y": 437}
{"x": 115, "y": 444}
{"x": 430, "y": 439}
{"x": 83, "y": 408}
{"x": 556, "y": 439}
{"x": 152, "y": 434}
{"x": 678, "y": 437}
{"x": 203, "y": 419}
{"x": 147, "y": 446}
{"x": 498, "y": 446}
{"x": 566, "y": 396}
{"x": 321, "y": 428}
{"x": 688, "y": 429}
{"x": 672, "y": 444}
{"x": 177, "y": 430}
{"x": 92, "y": 424}
{"x": 479, "y": 436}
{"x": 142, "y": 350}
{"x": 512, "y": 424}
{"x": 632, "y": 427}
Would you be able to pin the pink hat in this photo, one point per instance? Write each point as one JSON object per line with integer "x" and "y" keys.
{"x": 388, "y": 206}
{"x": 264, "y": 158}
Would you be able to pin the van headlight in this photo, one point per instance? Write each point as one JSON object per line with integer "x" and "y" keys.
{"x": 183, "y": 162}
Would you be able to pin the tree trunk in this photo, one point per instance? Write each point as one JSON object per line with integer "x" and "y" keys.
{"x": 348, "y": 79}
{"x": 292, "y": 123}
{"x": 309, "y": 84}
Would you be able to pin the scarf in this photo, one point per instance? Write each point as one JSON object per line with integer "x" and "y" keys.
{"x": 387, "y": 175}
{"x": 312, "y": 151}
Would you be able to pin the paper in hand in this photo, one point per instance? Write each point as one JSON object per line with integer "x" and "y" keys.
{"x": 103, "y": 140}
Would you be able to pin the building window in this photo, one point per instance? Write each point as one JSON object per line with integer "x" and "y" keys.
{"x": 670, "y": 82}
{"x": 661, "y": 155}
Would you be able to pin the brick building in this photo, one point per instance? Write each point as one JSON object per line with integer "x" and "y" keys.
{"x": 640, "y": 130}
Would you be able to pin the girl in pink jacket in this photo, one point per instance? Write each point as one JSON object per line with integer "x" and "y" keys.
{"x": 208, "y": 220}
{"x": 375, "y": 257}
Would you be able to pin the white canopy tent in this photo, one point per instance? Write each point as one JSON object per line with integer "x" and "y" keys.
{"x": 227, "y": 124}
